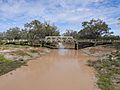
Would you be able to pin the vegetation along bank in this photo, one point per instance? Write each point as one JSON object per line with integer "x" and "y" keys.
{"x": 14, "y": 56}
{"x": 107, "y": 70}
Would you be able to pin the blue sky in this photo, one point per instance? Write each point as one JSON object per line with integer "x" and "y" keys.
{"x": 66, "y": 14}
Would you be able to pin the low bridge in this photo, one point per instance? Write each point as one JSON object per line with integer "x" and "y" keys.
{"x": 53, "y": 39}
{"x": 67, "y": 39}
{"x": 82, "y": 42}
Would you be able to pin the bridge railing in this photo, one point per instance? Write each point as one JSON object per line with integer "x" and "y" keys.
{"x": 94, "y": 40}
{"x": 59, "y": 39}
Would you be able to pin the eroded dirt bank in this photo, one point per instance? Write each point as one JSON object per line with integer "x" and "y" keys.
{"x": 59, "y": 70}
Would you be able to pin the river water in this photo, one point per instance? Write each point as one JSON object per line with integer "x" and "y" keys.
{"x": 62, "y": 69}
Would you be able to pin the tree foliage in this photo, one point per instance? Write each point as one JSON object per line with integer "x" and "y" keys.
{"x": 72, "y": 33}
{"x": 94, "y": 28}
{"x": 13, "y": 33}
{"x": 37, "y": 30}
{"x": 32, "y": 31}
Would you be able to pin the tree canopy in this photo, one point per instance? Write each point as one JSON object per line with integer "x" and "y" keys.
{"x": 94, "y": 28}
{"x": 32, "y": 30}
{"x": 13, "y": 33}
{"x": 72, "y": 33}
{"x": 37, "y": 30}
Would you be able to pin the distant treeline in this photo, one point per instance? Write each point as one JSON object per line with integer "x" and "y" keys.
{"x": 35, "y": 30}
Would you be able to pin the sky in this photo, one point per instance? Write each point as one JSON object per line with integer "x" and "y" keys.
{"x": 65, "y": 14}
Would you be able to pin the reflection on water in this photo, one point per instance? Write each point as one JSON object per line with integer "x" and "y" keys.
{"x": 62, "y": 69}
{"x": 61, "y": 49}
{"x": 61, "y": 46}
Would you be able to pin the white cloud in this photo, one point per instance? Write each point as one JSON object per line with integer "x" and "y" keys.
{"x": 15, "y": 10}
{"x": 69, "y": 12}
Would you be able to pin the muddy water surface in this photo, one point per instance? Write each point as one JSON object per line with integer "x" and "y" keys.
{"x": 60, "y": 70}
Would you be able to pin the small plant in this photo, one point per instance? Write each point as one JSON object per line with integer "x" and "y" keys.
{"x": 33, "y": 51}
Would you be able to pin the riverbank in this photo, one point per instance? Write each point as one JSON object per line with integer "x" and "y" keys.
{"x": 107, "y": 66}
{"x": 14, "y": 56}
{"x": 98, "y": 51}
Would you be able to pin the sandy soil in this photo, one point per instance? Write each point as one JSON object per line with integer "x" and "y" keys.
{"x": 23, "y": 53}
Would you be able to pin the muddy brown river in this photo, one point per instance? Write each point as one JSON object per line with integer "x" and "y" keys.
{"x": 62, "y": 69}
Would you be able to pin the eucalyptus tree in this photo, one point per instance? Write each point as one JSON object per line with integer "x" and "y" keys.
{"x": 37, "y": 30}
{"x": 51, "y": 30}
{"x": 13, "y": 33}
{"x": 72, "y": 33}
{"x": 94, "y": 28}
{"x": 24, "y": 34}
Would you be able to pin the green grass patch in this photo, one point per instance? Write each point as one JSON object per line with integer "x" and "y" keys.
{"x": 9, "y": 65}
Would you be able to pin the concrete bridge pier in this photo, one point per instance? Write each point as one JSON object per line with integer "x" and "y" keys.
{"x": 76, "y": 46}
{"x": 43, "y": 43}
{"x": 95, "y": 44}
